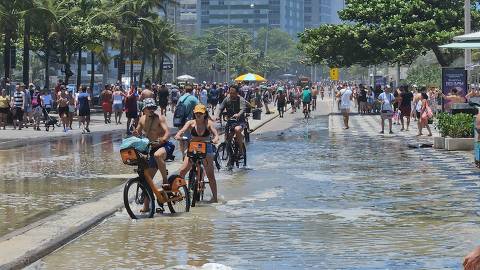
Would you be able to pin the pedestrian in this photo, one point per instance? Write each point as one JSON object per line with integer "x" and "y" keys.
{"x": 266, "y": 100}
{"x": 62, "y": 107}
{"x": 72, "y": 108}
{"x": 345, "y": 97}
{"x": 37, "y": 109}
{"x": 174, "y": 96}
{"x": 106, "y": 99}
{"x": 416, "y": 102}
{"x": 425, "y": 115}
{"x": 314, "y": 98}
{"x": 396, "y": 106}
{"x": 213, "y": 97}
{"x": 118, "y": 99}
{"x": 281, "y": 101}
{"x": 18, "y": 106}
{"x": 203, "y": 96}
{"x": 4, "y": 108}
{"x": 131, "y": 110}
{"x": 28, "y": 116}
{"x": 362, "y": 98}
{"x": 291, "y": 99}
{"x": 386, "y": 112}
{"x": 406, "y": 98}
{"x": 83, "y": 104}
{"x": 163, "y": 95}
{"x": 186, "y": 104}
{"x": 47, "y": 100}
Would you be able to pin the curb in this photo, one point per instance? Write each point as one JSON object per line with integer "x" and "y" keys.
{"x": 58, "y": 238}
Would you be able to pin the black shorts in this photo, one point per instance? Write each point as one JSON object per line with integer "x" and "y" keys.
{"x": 63, "y": 111}
{"x": 4, "y": 110}
{"x": 84, "y": 112}
{"x": 418, "y": 115}
{"x": 305, "y": 103}
{"x": 18, "y": 114}
{"x": 132, "y": 114}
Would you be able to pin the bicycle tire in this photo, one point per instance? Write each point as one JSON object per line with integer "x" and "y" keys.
{"x": 220, "y": 156}
{"x": 231, "y": 154}
{"x": 192, "y": 186}
{"x": 244, "y": 156}
{"x": 177, "y": 207}
{"x": 201, "y": 185}
{"x": 146, "y": 191}
{"x": 247, "y": 133}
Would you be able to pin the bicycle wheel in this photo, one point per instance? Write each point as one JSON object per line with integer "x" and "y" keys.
{"x": 221, "y": 156}
{"x": 231, "y": 155}
{"x": 192, "y": 186}
{"x": 201, "y": 185}
{"x": 182, "y": 202}
{"x": 135, "y": 193}
{"x": 244, "y": 156}
{"x": 246, "y": 131}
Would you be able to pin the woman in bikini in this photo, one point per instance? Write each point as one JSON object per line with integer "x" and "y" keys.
{"x": 202, "y": 128}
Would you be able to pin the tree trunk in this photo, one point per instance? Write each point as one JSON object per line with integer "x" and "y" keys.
{"x": 153, "y": 67}
{"x": 92, "y": 67}
{"x": 105, "y": 66}
{"x": 47, "y": 60}
{"x": 6, "y": 53}
{"x": 160, "y": 70}
{"x": 121, "y": 58}
{"x": 132, "y": 81}
{"x": 440, "y": 57}
{"x": 142, "y": 70}
{"x": 79, "y": 69}
{"x": 26, "y": 51}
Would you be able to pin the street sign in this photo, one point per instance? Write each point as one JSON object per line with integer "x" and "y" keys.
{"x": 334, "y": 74}
{"x": 167, "y": 66}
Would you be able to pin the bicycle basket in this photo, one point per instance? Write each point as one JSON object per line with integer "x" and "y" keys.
{"x": 129, "y": 156}
{"x": 198, "y": 149}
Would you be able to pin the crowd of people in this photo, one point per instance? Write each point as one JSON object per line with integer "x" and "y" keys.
{"x": 398, "y": 106}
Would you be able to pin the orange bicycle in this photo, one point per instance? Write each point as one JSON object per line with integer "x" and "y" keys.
{"x": 137, "y": 192}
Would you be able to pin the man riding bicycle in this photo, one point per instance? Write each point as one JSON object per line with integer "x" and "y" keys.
{"x": 155, "y": 128}
{"x": 235, "y": 106}
{"x": 306, "y": 98}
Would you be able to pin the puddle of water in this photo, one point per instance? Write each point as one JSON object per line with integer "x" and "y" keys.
{"x": 320, "y": 201}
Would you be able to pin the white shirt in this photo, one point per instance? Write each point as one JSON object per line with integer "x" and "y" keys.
{"x": 345, "y": 95}
{"x": 204, "y": 97}
{"x": 387, "y": 99}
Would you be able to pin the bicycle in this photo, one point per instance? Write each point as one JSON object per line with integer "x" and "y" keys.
{"x": 137, "y": 189}
{"x": 196, "y": 152}
{"x": 246, "y": 129}
{"x": 228, "y": 151}
{"x": 306, "y": 110}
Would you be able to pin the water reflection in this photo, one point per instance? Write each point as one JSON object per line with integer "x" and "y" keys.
{"x": 320, "y": 201}
{"x": 37, "y": 180}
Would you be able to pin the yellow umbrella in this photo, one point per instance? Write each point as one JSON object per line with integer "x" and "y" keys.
{"x": 250, "y": 77}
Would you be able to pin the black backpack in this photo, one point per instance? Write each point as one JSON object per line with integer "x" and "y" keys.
{"x": 180, "y": 115}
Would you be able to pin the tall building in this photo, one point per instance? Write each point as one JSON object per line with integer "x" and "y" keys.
{"x": 251, "y": 14}
{"x": 319, "y": 12}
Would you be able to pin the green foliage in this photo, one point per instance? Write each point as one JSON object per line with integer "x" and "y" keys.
{"x": 388, "y": 31}
{"x": 459, "y": 125}
{"x": 428, "y": 75}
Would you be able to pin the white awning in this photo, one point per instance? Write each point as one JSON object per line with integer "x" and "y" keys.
{"x": 472, "y": 36}
{"x": 462, "y": 45}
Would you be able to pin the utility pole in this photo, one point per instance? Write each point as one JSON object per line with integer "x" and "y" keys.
{"x": 468, "y": 29}
{"x": 227, "y": 73}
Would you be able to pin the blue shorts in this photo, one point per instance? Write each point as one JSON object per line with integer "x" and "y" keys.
{"x": 210, "y": 151}
{"x": 169, "y": 148}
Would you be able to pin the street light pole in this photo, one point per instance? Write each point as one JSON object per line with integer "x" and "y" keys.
{"x": 227, "y": 73}
{"x": 266, "y": 40}
{"x": 468, "y": 28}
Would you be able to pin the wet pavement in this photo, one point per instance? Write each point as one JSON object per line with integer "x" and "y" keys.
{"x": 310, "y": 199}
{"x": 42, "y": 178}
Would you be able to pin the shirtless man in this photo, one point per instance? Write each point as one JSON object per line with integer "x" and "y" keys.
{"x": 156, "y": 130}
{"x": 147, "y": 93}
{"x": 62, "y": 103}
{"x": 452, "y": 98}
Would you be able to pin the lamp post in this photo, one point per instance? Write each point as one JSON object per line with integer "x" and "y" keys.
{"x": 227, "y": 73}
{"x": 468, "y": 28}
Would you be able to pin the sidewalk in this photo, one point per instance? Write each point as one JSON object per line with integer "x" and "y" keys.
{"x": 28, "y": 244}
{"x": 461, "y": 162}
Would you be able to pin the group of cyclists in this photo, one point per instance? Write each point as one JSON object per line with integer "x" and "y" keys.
{"x": 196, "y": 124}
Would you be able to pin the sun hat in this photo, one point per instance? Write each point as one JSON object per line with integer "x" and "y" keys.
{"x": 149, "y": 103}
{"x": 200, "y": 108}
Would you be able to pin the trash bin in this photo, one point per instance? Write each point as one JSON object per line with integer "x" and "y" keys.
{"x": 257, "y": 114}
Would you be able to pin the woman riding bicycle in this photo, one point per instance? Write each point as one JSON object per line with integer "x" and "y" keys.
{"x": 202, "y": 129}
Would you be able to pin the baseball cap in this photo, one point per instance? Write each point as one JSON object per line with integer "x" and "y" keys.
{"x": 200, "y": 108}
{"x": 149, "y": 103}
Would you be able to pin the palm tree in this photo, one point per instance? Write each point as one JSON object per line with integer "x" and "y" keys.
{"x": 10, "y": 13}
{"x": 166, "y": 40}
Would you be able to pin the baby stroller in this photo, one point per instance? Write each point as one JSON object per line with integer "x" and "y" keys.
{"x": 49, "y": 120}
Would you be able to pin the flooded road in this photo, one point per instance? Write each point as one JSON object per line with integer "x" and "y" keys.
{"x": 309, "y": 200}
{"x": 40, "y": 179}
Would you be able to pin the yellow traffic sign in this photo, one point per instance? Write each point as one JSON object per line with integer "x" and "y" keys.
{"x": 334, "y": 74}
